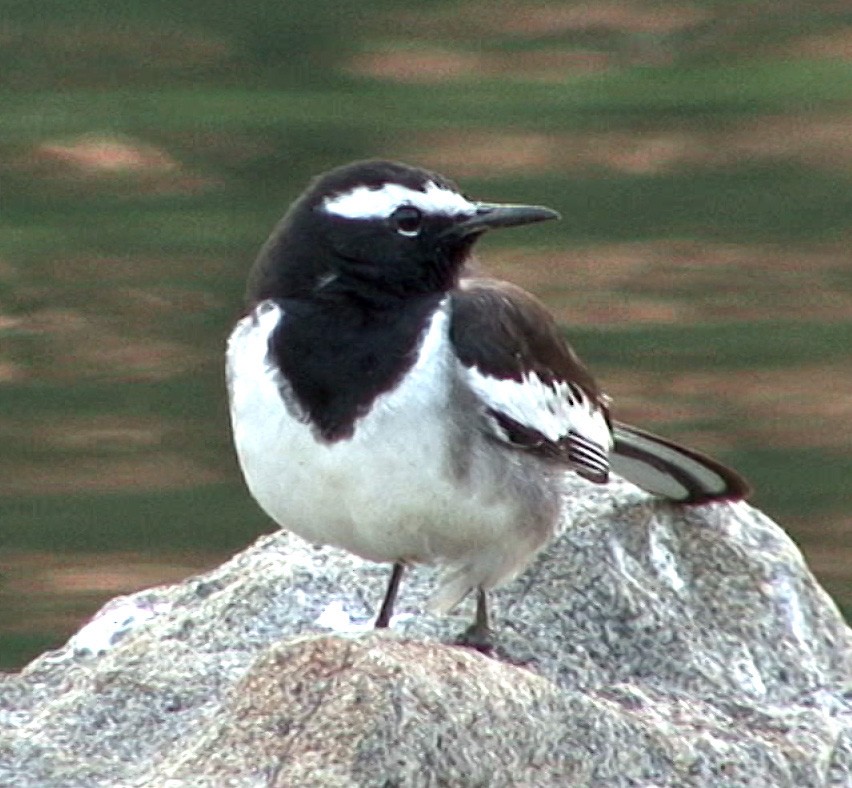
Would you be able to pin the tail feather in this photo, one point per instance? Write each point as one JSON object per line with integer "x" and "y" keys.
{"x": 665, "y": 468}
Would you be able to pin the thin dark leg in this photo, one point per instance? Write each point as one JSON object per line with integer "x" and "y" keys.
{"x": 390, "y": 596}
{"x": 478, "y": 634}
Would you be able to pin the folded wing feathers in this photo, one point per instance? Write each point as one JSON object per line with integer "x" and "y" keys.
{"x": 557, "y": 420}
{"x": 536, "y": 395}
{"x": 588, "y": 455}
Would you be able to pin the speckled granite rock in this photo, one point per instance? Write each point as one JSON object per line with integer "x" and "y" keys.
{"x": 649, "y": 645}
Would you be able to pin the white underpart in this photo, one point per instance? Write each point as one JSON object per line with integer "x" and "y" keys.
{"x": 554, "y": 410}
{"x": 388, "y": 493}
{"x": 363, "y": 202}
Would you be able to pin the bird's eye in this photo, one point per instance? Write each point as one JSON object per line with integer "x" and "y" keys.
{"x": 407, "y": 220}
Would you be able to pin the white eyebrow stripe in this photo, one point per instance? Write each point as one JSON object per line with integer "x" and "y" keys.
{"x": 363, "y": 202}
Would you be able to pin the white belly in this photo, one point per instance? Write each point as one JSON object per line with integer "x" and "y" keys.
{"x": 389, "y": 492}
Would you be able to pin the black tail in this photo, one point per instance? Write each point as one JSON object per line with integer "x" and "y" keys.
{"x": 675, "y": 472}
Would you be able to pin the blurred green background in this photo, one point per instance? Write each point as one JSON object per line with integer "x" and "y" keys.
{"x": 700, "y": 153}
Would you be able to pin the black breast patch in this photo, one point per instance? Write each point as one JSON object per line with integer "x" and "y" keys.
{"x": 336, "y": 359}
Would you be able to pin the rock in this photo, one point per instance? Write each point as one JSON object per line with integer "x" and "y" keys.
{"x": 649, "y": 644}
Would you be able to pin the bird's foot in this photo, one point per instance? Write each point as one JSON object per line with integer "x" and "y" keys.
{"x": 477, "y": 638}
{"x": 478, "y": 634}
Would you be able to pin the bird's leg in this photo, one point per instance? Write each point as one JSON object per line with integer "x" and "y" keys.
{"x": 478, "y": 634}
{"x": 386, "y": 610}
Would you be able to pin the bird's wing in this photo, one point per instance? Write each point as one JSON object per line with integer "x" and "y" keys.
{"x": 534, "y": 392}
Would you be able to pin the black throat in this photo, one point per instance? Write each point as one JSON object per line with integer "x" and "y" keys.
{"x": 338, "y": 354}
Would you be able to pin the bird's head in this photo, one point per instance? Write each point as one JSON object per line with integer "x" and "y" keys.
{"x": 380, "y": 229}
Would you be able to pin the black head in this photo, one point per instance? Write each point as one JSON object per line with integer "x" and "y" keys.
{"x": 379, "y": 230}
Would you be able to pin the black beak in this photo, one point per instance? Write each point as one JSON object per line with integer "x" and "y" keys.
{"x": 490, "y": 215}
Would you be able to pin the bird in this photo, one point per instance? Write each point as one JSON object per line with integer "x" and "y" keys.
{"x": 386, "y": 401}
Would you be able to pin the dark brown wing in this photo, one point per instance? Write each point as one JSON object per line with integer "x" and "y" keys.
{"x": 538, "y": 396}
{"x": 534, "y": 390}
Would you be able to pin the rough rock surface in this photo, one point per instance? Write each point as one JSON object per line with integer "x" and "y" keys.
{"x": 649, "y": 645}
